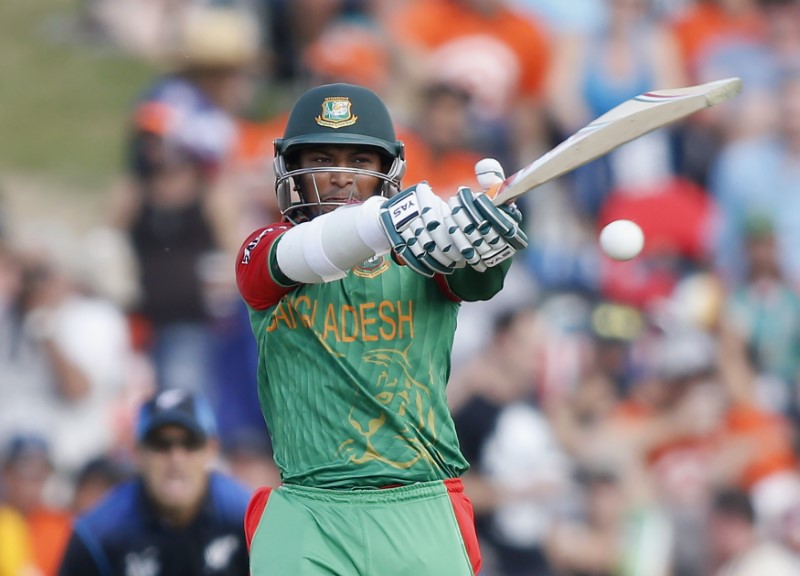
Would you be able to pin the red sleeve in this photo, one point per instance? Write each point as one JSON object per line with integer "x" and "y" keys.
{"x": 256, "y": 283}
{"x": 444, "y": 288}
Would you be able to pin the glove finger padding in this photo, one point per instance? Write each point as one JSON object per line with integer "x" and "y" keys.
{"x": 493, "y": 233}
{"x": 506, "y": 219}
{"x": 480, "y": 235}
{"x": 414, "y": 222}
{"x": 463, "y": 230}
{"x": 424, "y": 248}
{"x": 435, "y": 240}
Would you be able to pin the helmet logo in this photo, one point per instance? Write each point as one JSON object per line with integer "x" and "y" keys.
{"x": 336, "y": 113}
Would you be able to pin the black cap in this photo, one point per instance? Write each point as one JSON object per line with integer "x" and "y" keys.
{"x": 191, "y": 410}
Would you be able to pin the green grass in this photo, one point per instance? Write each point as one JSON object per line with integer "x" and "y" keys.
{"x": 63, "y": 99}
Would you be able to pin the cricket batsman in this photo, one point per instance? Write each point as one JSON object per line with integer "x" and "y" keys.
{"x": 353, "y": 299}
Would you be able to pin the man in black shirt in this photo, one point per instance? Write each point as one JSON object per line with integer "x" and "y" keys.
{"x": 176, "y": 517}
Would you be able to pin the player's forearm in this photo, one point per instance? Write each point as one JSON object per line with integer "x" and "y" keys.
{"x": 325, "y": 248}
{"x": 415, "y": 225}
{"x": 471, "y": 285}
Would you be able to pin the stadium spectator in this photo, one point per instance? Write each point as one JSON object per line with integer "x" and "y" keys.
{"x": 440, "y": 141}
{"x": 736, "y": 546}
{"x": 694, "y": 428}
{"x": 94, "y": 480}
{"x": 352, "y": 51}
{"x": 64, "y": 353}
{"x": 304, "y": 22}
{"x": 784, "y": 31}
{"x": 759, "y": 176}
{"x": 27, "y": 474}
{"x": 594, "y": 71}
{"x": 709, "y": 25}
{"x": 760, "y": 330}
{"x": 755, "y": 40}
{"x": 181, "y": 133}
{"x": 518, "y": 472}
{"x": 498, "y": 55}
{"x": 561, "y": 18}
{"x": 177, "y": 516}
{"x": 605, "y": 535}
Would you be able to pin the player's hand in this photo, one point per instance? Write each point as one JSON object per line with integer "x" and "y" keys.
{"x": 486, "y": 234}
{"x": 489, "y": 234}
{"x": 415, "y": 221}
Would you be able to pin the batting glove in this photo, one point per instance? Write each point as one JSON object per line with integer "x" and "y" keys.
{"x": 487, "y": 234}
{"x": 415, "y": 221}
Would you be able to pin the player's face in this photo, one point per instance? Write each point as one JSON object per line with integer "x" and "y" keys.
{"x": 339, "y": 187}
{"x": 173, "y": 464}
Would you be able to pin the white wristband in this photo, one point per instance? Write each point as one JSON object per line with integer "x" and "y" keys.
{"x": 369, "y": 228}
{"x": 314, "y": 252}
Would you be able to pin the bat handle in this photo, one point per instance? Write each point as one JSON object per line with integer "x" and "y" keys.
{"x": 495, "y": 193}
{"x": 492, "y": 190}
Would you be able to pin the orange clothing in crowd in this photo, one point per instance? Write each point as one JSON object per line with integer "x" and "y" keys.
{"x": 445, "y": 172}
{"x": 689, "y": 456}
{"x": 252, "y": 170}
{"x": 501, "y": 58}
{"x": 255, "y": 139}
{"x": 706, "y": 23}
{"x": 770, "y": 433}
{"x": 49, "y": 532}
{"x": 352, "y": 53}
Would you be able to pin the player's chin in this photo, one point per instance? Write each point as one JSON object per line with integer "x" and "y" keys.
{"x": 331, "y": 205}
{"x": 326, "y": 208}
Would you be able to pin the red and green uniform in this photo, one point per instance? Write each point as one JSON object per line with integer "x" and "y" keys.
{"x": 351, "y": 379}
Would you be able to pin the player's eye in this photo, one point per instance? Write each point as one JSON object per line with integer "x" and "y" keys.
{"x": 363, "y": 161}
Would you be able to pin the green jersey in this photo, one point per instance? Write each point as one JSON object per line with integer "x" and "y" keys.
{"x": 352, "y": 373}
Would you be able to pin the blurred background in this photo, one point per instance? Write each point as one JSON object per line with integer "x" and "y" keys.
{"x": 621, "y": 418}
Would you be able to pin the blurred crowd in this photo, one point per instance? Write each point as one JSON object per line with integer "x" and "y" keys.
{"x": 637, "y": 418}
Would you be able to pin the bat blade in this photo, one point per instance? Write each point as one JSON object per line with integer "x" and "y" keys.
{"x": 631, "y": 119}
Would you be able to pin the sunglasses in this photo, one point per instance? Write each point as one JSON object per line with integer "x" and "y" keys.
{"x": 166, "y": 444}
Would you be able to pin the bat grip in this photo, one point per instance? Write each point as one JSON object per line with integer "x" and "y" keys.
{"x": 496, "y": 191}
{"x": 492, "y": 191}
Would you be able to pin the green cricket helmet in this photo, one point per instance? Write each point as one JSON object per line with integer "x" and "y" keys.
{"x": 343, "y": 114}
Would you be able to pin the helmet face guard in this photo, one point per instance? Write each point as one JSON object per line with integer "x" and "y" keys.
{"x": 293, "y": 201}
{"x": 335, "y": 114}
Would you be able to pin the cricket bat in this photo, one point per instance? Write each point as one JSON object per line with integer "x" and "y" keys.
{"x": 631, "y": 119}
